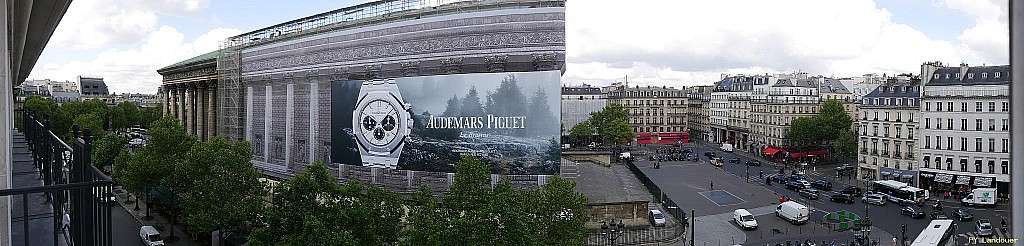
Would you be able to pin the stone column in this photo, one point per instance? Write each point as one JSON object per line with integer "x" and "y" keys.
{"x": 187, "y": 120}
{"x": 211, "y": 108}
{"x": 201, "y": 110}
{"x": 172, "y": 101}
{"x": 181, "y": 104}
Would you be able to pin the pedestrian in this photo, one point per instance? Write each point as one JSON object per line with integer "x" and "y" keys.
{"x": 712, "y": 185}
{"x": 760, "y": 174}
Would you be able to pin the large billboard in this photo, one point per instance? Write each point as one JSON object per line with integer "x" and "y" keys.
{"x": 508, "y": 120}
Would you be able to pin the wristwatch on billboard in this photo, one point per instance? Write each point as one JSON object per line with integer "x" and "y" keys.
{"x": 381, "y": 123}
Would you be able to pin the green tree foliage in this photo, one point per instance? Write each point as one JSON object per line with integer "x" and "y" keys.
{"x": 131, "y": 173}
{"x": 153, "y": 165}
{"x": 823, "y": 128}
{"x": 149, "y": 115}
{"x": 106, "y": 148}
{"x": 131, "y": 113}
{"x": 611, "y": 124}
{"x": 473, "y": 212}
{"x": 581, "y": 132}
{"x": 846, "y": 146}
{"x": 91, "y": 121}
{"x": 804, "y": 130}
{"x": 118, "y": 119}
{"x": 220, "y": 188}
{"x": 312, "y": 209}
{"x": 39, "y": 106}
{"x": 471, "y": 105}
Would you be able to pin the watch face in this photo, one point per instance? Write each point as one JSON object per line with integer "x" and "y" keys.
{"x": 378, "y": 122}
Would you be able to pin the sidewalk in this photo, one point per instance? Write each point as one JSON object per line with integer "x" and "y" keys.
{"x": 158, "y": 221}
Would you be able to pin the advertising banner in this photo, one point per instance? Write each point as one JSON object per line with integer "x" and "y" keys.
{"x": 508, "y": 120}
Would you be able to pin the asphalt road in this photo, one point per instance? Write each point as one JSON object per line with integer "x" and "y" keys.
{"x": 126, "y": 228}
{"x": 886, "y": 217}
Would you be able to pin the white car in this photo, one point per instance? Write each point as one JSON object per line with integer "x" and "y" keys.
{"x": 744, "y": 219}
{"x": 875, "y": 199}
{"x": 150, "y": 237}
{"x": 656, "y": 217}
{"x": 136, "y": 141}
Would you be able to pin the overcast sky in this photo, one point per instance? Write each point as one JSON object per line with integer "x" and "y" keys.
{"x": 657, "y": 42}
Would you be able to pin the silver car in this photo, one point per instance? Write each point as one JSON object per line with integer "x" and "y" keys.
{"x": 984, "y": 228}
{"x": 875, "y": 199}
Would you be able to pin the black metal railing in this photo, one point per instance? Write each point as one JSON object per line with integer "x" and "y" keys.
{"x": 71, "y": 186}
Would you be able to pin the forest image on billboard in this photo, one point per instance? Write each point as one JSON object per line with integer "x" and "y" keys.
{"x": 508, "y": 120}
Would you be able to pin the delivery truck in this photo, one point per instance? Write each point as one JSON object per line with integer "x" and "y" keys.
{"x": 727, "y": 147}
{"x": 980, "y": 197}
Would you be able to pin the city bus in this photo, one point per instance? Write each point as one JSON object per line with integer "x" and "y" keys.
{"x": 899, "y": 192}
{"x": 938, "y": 233}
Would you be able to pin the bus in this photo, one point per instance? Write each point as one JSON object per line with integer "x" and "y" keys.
{"x": 899, "y": 192}
{"x": 938, "y": 233}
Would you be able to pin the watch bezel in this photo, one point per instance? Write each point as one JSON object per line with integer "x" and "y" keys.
{"x": 403, "y": 118}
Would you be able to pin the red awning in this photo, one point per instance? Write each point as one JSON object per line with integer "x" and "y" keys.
{"x": 643, "y": 141}
{"x": 770, "y": 151}
{"x": 798, "y": 154}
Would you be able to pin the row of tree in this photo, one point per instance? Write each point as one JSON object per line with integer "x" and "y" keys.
{"x": 610, "y": 124}
{"x": 831, "y": 126}
{"x": 90, "y": 114}
{"x": 218, "y": 189}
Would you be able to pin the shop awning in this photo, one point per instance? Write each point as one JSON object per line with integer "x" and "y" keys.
{"x": 982, "y": 181}
{"x": 943, "y": 178}
{"x": 770, "y": 151}
{"x": 963, "y": 180}
{"x": 908, "y": 176}
{"x": 798, "y": 154}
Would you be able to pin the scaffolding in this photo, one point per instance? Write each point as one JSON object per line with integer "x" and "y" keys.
{"x": 231, "y": 111}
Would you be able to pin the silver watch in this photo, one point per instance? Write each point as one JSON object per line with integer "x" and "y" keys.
{"x": 381, "y": 123}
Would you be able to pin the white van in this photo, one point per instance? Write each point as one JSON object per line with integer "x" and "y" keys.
{"x": 793, "y": 212}
{"x": 744, "y": 219}
{"x": 150, "y": 237}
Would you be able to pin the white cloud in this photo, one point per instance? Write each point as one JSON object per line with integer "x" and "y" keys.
{"x": 134, "y": 70}
{"x": 98, "y": 23}
{"x": 681, "y": 43}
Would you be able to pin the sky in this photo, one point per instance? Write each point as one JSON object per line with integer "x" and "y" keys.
{"x": 650, "y": 42}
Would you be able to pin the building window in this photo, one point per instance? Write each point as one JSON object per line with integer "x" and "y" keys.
{"x": 977, "y": 106}
{"x": 991, "y": 106}
{"x": 977, "y": 166}
{"x": 927, "y": 123}
{"x": 938, "y": 123}
{"x": 963, "y": 124}
{"x": 910, "y": 133}
{"x": 927, "y": 142}
{"x": 991, "y": 145}
{"x": 977, "y": 144}
{"x": 997, "y": 74}
{"x": 1006, "y": 124}
{"x": 928, "y": 106}
{"x": 926, "y": 162}
{"x": 949, "y": 164}
{"x": 949, "y": 124}
{"x": 938, "y": 142}
{"x": 949, "y": 143}
{"x": 977, "y": 124}
{"x": 1006, "y": 167}
{"x": 1006, "y": 106}
{"x": 970, "y": 75}
{"x": 963, "y": 144}
{"x": 1006, "y": 145}
{"x": 984, "y": 75}
{"x": 949, "y": 106}
{"x": 991, "y": 124}
{"x": 898, "y": 130}
{"x": 938, "y": 106}
{"x": 963, "y": 107}
{"x": 991, "y": 167}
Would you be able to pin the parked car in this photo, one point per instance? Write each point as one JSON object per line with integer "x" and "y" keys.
{"x": 734, "y": 160}
{"x": 913, "y": 211}
{"x": 961, "y": 214}
{"x": 938, "y": 215}
{"x": 822, "y": 184}
{"x": 753, "y": 163}
{"x": 795, "y": 177}
{"x": 687, "y": 151}
{"x": 875, "y": 199}
{"x": 841, "y": 198}
{"x": 984, "y": 227}
{"x": 744, "y": 219}
{"x": 853, "y": 190}
{"x": 150, "y": 237}
{"x": 809, "y": 193}
{"x": 656, "y": 217}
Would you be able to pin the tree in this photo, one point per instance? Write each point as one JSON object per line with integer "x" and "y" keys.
{"x": 118, "y": 119}
{"x": 454, "y": 108}
{"x": 471, "y": 103}
{"x": 150, "y": 115}
{"x": 153, "y": 164}
{"x": 582, "y": 132}
{"x": 804, "y": 130}
{"x": 611, "y": 124}
{"x": 507, "y": 99}
{"x": 846, "y": 146}
{"x": 132, "y": 115}
{"x": 540, "y": 113}
{"x": 833, "y": 120}
{"x": 106, "y": 148}
{"x": 39, "y": 106}
{"x": 617, "y": 131}
{"x": 312, "y": 209}
{"x": 567, "y": 209}
{"x": 220, "y": 188}
{"x": 90, "y": 121}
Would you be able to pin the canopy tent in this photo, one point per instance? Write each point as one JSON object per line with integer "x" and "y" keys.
{"x": 943, "y": 178}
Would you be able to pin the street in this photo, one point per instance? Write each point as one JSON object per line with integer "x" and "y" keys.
{"x": 752, "y": 198}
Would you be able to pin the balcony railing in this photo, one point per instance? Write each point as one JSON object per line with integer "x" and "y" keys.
{"x": 71, "y": 185}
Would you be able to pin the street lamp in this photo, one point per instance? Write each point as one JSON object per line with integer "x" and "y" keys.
{"x": 612, "y": 232}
